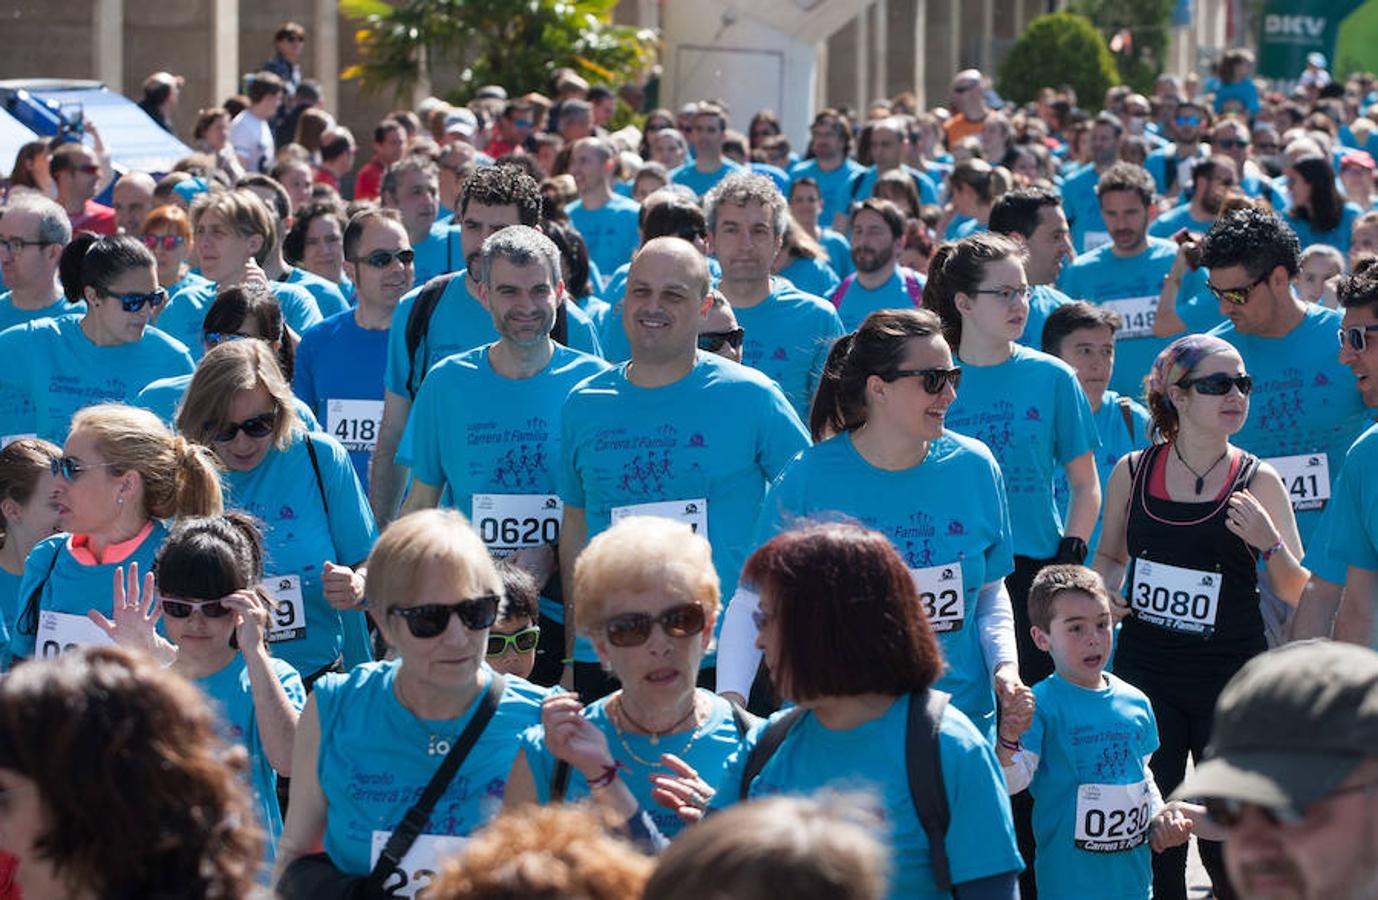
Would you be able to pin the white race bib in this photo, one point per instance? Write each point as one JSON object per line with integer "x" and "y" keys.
{"x": 507, "y": 522}
{"x": 1306, "y": 479}
{"x": 354, "y": 423}
{"x": 288, "y": 620}
{"x": 1111, "y": 817}
{"x": 942, "y": 595}
{"x": 418, "y": 867}
{"x": 1136, "y": 315}
{"x": 1175, "y": 598}
{"x": 60, "y": 632}
{"x": 692, "y": 512}
{"x": 7, "y": 439}
{"x": 1093, "y": 239}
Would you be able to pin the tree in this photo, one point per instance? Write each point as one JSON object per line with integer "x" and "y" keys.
{"x": 514, "y": 43}
{"x": 1147, "y": 23}
{"x": 1057, "y": 49}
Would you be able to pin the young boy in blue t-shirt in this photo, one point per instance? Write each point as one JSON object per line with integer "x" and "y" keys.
{"x": 1084, "y": 757}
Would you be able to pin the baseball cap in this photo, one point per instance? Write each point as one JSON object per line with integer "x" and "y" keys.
{"x": 461, "y": 121}
{"x": 1316, "y": 59}
{"x": 1359, "y": 158}
{"x": 1290, "y": 726}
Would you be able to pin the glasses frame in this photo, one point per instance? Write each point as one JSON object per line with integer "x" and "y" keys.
{"x": 376, "y": 260}
{"x": 1227, "y": 812}
{"x": 135, "y": 301}
{"x": 643, "y": 623}
{"x": 509, "y": 642}
{"x": 10, "y": 243}
{"x": 1245, "y": 383}
{"x": 167, "y": 241}
{"x": 933, "y": 379}
{"x": 1355, "y": 337}
{"x": 231, "y": 430}
{"x": 69, "y": 470}
{"x": 712, "y": 341}
{"x": 474, "y": 613}
{"x": 1228, "y": 295}
{"x": 189, "y": 606}
{"x": 1007, "y": 294}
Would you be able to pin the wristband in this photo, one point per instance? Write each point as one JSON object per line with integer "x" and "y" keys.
{"x": 1012, "y": 746}
{"x": 1071, "y": 549}
{"x": 608, "y": 776}
{"x": 1268, "y": 554}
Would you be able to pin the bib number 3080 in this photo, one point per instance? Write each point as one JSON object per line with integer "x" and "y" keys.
{"x": 1111, "y": 817}
{"x": 1175, "y": 598}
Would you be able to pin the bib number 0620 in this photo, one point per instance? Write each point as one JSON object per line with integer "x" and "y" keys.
{"x": 525, "y": 532}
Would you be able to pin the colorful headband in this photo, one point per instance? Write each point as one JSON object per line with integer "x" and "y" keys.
{"x": 1179, "y": 358}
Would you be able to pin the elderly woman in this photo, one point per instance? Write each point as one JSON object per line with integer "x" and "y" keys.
{"x": 646, "y": 594}
{"x": 318, "y": 528}
{"x": 370, "y": 741}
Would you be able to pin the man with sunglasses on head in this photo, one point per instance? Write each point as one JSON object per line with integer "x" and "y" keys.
{"x": 791, "y": 331}
{"x": 1291, "y": 774}
{"x": 77, "y": 173}
{"x": 33, "y": 231}
{"x": 674, "y": 432}
{"x": 484, "y": 433}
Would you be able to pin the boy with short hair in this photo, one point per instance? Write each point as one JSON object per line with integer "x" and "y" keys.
{"x": 513, "y": 637}
{"x": 1085, "y": 755}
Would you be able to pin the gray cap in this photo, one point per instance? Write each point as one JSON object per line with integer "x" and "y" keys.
{"x": 1291, "y": 726}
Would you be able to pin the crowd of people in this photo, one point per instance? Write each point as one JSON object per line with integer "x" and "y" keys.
{"x": 895, "y": 515}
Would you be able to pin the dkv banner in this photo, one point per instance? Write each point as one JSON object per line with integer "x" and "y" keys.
{"x": 1346, "y": 31}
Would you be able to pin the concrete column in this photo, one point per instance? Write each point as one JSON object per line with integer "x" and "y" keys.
{"x": 325, "y": 35}
{"x": 108, "y": 46}
{"x": 954, "y": 49}
{"x": 863, "y": 46}
{"x": 880, "y": 54}
{"x": 920, "y": 52}
{"x": 987, "y": 33}
{"x": 224, "y": 54}
{"x": 820, "y": 85}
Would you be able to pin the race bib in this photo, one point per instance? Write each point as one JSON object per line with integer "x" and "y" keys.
{"x": 7, "y": 439}
{"x": 692, "y": 512}
{"x": 1175, "y": 598}
{"x": 288, "y": 619}
{"x": 942, "y": 596}
{"x": 1306, "y": 478}
{"x": 1136, "y": 316}
{"x": 418, "y": 867}
{"x": 508, "y": 522}
{"x": 1111, "y": 818}
{"x": 1094, "y": 239}
{"x": 60, "y": 632}
{"x": 354, "y": 423}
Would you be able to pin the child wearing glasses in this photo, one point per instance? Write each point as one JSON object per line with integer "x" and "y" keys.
{"x": 513, "y": 638}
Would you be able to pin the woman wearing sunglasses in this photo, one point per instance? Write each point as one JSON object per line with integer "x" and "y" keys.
{"x": 121, "y": 474}
{"x": 646, "y": 594}
{"x": 1187, "y": 523}
{"x": 883, "y": 456}
{"x": 166, "y": 232}
{"x": 317, "y": 524}
{"x": 57, "y": 366}
{"x": 369, "y": 741}
{"x": 1026, "y": 406}
{"x": 216, "y": 618}
{"x": 28, "y": 513}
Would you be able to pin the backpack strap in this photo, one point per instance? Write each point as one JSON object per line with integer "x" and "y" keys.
{"x": 419, "y": 323}
{"x": 912, "y": 285}
{"x": 924, "y": 768}
{"x": 841, "y": 290}
{"x": 28, "y": 619}
{"x": 744, "y": 720}
{"x": 765, "y": 748}
{"x": 1128, "y": 415}
{"x": 316, "y": 468}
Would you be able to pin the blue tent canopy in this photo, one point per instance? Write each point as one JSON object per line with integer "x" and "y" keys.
{"x": 13, "y": 135}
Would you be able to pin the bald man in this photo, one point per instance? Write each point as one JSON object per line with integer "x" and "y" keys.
{"x": 133, "y": 201}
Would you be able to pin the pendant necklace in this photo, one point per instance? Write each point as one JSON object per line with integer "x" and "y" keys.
{"x": 1200, "y": 476}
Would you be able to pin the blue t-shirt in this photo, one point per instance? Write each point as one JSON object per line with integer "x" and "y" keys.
{"x": 788, "y": 336}
{"x": 1130, "y": 285}
{"x": 812, "y": 276}
{"x": 703, "y": 182}
{"x": 833, "y": 186}
{"x": 711, "y": 441}
{"x": 839, "y": 251}
{"x": 709, "y": 747}
{"x": 1337, "y": 237}
{"x": 337, "y": 361}
{"x": 871, "y": 757}
{"x": 232, "y": 694}
{"x": 11, "y": 315}
{"x": 439, "y": 253}
{"x": 329, "y": 297}
{"x": 1031, "y": 412}
{"x": 1304, "y": 402}
{"x": 186, "y": 312}
{"x": 1086, "y": 737}
{"x": 56, "y": 370}
{"x": 902, "y": 290}
{"x": 1116, "y": 439}
{"x": 1243, "y": 91}
{"x": 162, "y": 397}
{"x": 1042, "y": 301}
{"x": 862, "y": 185}
{"x": 9, "y": 613}
{"x": 1177, "y": 218}
{"x": 376, "y": 758}
{"x": 1350, "y": 524}
{"x": 950, "y": 510}
{"x": 1082, "y": 207}
{"x": 610, "y": 231}
{"x": 298, "y": 536}
{"x": 69, "y": 588}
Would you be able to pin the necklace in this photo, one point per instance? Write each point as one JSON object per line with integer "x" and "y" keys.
{"x": 654, "y": 736}
{"x": 1200, "y": 476}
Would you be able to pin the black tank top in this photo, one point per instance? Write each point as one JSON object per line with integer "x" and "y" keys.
{"x": 1193, "y": 585}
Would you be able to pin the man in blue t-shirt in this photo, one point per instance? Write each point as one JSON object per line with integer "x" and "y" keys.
{"x": 880, "y": 282}
{"x": 33, "y": 232}
{"x": 831, "y": 166}
{"x": 708, "y": 167}
{"x": 1079, "y": 188}
{"x": 412, "y": 187}
{"x": 1034, "y": 218}
{"x": 1211, "y": 179}
{"x": 787, "y": 332}
{"x": 889, "y": 144}
{"x": 606, "y": 220}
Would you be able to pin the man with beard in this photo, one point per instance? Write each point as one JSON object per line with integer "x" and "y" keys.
{"x": 1171, "y": 166}
{"x": 1034, "y": 218}
{"x": 1127, "y": 274}
{"x": 880, "y": 281}
{"x": 1211, "y": 179}
{"x": 1079, "y": 191}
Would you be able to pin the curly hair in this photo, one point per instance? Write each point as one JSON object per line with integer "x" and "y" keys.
{"x": 1355, "y": 290}
{"x": 503, "y": 186}
{"x": 1256, "y": 239}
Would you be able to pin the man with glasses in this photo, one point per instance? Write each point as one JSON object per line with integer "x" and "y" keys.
{"x": 830, "y": 141}
{"x": 1212, "y": 179}
{"x": 412, "y": 187}
{"x": 1231, "y": 138}
{"x": 1291, "y": 774}
{"x": 513, "y": 128}
{"x": 340, "y": 362}
{"x": 76, "y": 172}
{"x": 708, "y": 166}
{"x": 675, "y": 432}
{"x": 33, "y": 231}
{"x": 968, "y": 106}
{"x": 1171, "y": 165}
{"x": 790, "y": 331}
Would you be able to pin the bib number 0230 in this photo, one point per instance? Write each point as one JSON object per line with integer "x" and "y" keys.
{"x": 1111, "y": 818}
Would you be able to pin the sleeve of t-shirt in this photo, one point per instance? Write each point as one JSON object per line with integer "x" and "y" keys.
{"x": 1074, "y": 425}
{"x": 291, "y": 682}
{"x": 352, "y": 529}
{"x": 571, "y": 488}
{"x": 539, "y": 760}
{"x": 780, "y": 435}
{"x": 18, "y": 415}
{"x": 730, "y": 784}
{"x": 1348, "y": 539}
{"x": 1320, "y": 559}
{"x": 980, "y": 837}
{"x": 299, "y": 308}
{"x": 423, "y": 429}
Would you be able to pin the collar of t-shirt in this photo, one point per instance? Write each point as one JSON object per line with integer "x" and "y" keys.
{"x": 80, "y": 547}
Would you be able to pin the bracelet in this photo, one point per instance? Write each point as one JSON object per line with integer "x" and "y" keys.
{"x": 1012, "y": 746}
{"x": 1268, "y": 554}
{"x": 568, "y": 660}
{"x": 609, "y": 775}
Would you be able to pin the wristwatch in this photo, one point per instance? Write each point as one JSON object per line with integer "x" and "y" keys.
{"x": 1071, "y": 549}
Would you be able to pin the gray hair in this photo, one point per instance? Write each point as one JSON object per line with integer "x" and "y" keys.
{"x": 521, "y": 245}
{"x": 392, "y": 178}
{"x": 675, "y": 133}
{"x": 741, "y": 188}
{"x": 54, "y": 226}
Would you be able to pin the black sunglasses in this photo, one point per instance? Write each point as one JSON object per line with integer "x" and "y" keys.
{"x": 933, "y": 379}
{"x": 430, "y": 619}
{"x": 259, "y": 426}
{"x": 1218, "y": 384}
{"x": 1228, "y": 812}
{"x": 132, "y": 303}
{"x": 523, "y": 641}
{"x": 381, "y": 259}
{"x": 1356, "y": 336}
{"x": 68, "y": 468}
{"x": 712, "y": 341}
{"x": 181, "y": 609}
{"x": 634, "y": 629}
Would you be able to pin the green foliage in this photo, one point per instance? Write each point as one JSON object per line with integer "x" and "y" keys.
{"x": 1057, "y": 49}
{"x": 1148, "y": 23}
{"x": 514, "y": 43}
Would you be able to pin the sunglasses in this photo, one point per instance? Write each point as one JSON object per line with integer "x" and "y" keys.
{"x": 634, "y": 629}
{"x": 1189, "y": 120}
{"x": 69, "y": 469}
{"x": 259, "y": 426}
{"x": 220, "y": 337}
{"x": 381, "y": 259}
{"x": 1230, "y": 144}
{"x": 181, "y": 609}
{"x": 132, "y": 303}
{"x": 1240, "y": 295}
{"x": 16, "y": 245}
{"x": 933, "y": 379}
{"x": 1219, "y": 384}
{"x": 431, "y": 619}
{"x": 712, "y": 341}
{"x": 523, "y": 641}
{"x": 166, "y": 241}
{"x": 1356, "y": 337}
{"x": 1229, "y": 813}
{"x": 88, "y": 170}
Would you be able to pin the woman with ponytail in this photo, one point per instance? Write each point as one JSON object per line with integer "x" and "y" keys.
{"x": 975, "y": 185}
{"x": 882, "y": 457}
{"x": 121, "y": 472}
{"x": 28, "y": 513}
